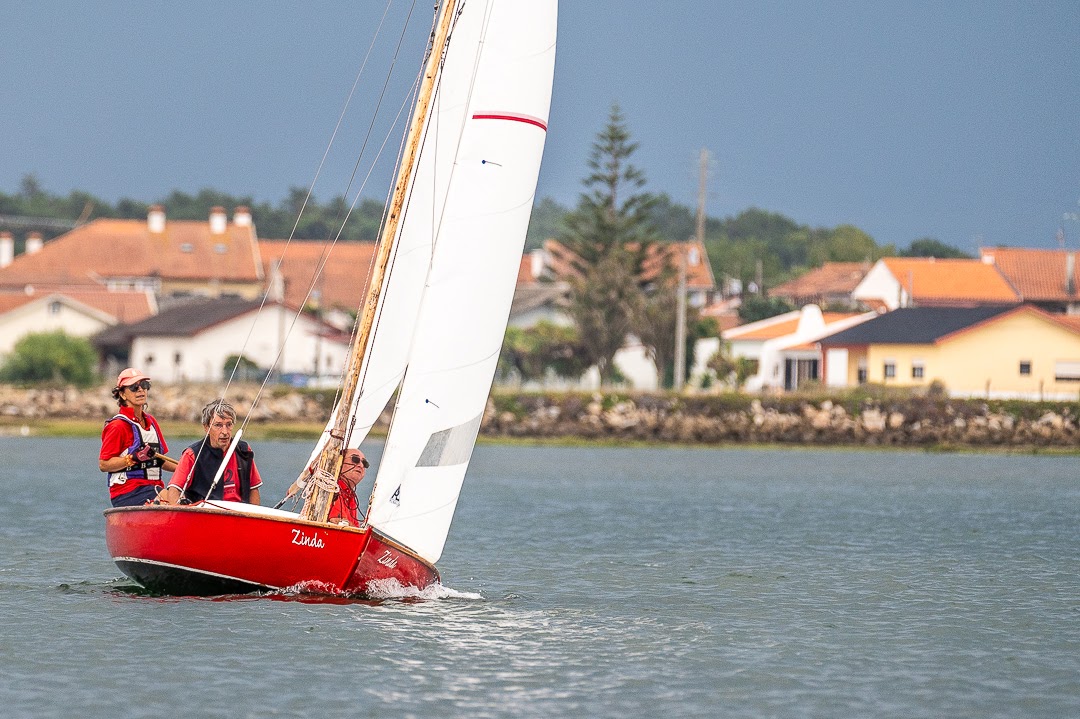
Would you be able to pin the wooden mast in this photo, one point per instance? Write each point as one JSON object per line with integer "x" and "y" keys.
{"x": 317, "y": 506}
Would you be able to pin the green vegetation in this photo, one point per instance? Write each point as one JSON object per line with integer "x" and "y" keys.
{"x": 50, "y": 357}
{"x": 320, "y": 221}
{"x": 532, "y": 353}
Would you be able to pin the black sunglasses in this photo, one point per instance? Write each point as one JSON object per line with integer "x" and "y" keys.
{"x": 363, "y": 460}
{"x": 142, "y": 384}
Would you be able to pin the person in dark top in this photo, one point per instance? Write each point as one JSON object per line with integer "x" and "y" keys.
{"x": 132, "y": 445}
{"x": 195, "y": 471}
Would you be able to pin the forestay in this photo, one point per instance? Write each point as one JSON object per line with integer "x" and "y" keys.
{"x": 490, "y": 113}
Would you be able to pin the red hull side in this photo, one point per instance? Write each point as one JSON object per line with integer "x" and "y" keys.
{"x": 205, "y": 550}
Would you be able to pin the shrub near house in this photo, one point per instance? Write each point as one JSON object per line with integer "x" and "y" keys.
{"x": 50, "y": 357}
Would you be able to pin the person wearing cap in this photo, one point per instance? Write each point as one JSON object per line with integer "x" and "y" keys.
{"x": 344, "y": 509}
{"x": 132, "y": 445}
{"x": 194, "y": 477}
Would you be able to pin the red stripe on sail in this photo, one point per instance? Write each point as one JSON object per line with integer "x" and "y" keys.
{"x": 507, "y": 116}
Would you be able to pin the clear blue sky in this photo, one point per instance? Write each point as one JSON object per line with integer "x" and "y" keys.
{"x": 953, "y": 120}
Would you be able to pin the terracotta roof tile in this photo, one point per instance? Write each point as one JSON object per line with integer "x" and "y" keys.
{"x": 831, "y": 279}
{"x": 931, "y": 280}
{"x": 344, "y": 278}
{"x": 699, "y": 274}
{"x": 109, "y": 248}
{"x": 1038, "y": 275}
{"x": 122, "y": 306}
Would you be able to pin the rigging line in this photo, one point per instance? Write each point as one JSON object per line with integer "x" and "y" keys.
{"x": 328, "y": 249}
{"x": 307, "y": 199}
{"x": 407, "y": 103}
{"x": 292, "y": 233}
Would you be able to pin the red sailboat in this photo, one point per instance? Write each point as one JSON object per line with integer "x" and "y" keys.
{"x": 430, "y": 330}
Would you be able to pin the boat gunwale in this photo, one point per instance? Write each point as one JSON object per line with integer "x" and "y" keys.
{"x": 209, "y": 508}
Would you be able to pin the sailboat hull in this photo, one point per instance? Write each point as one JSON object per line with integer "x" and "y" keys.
{"x": 231, "y": 548}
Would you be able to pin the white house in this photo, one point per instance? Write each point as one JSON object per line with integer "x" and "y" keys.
{"x": 192, "y": 342}
{"x": 79, "y": 313}
{"x": 784, "y": 346}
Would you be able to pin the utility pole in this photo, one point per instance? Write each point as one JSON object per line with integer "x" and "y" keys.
{"x": 680, "y": 313}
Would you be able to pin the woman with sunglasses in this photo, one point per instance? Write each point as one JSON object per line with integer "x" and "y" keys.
{"x": 132, "y": 445}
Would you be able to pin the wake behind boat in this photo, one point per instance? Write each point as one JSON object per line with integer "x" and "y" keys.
{"x": 430, "y": 328}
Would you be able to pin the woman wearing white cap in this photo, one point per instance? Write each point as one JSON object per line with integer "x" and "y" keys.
{"x": 132, "y": 445}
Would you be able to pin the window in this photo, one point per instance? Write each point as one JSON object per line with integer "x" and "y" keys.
{"x": 918, "y": 369}
{"x": 1025, "y": 367}
{"x": 1067, "y": 370}
{"x": 54, "y": 307}
{"x": 187, "y": 247}
{"x": 177, "y": 358}
{"x": 890, "y": 369}
{"x": 861, "y": 374}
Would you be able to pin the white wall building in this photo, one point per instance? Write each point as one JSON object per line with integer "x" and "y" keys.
{"x": 192, "y": 342}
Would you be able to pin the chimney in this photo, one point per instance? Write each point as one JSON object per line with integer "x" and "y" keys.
{"x": 7, "y": 249}
{"x": 155, "y": 219}
{"x": 1070, "y": 269}
{"x": 218, "y": 221}
{"x": 536, "y": 264}
{"x": 242, "y": 217}
{"x": 33, "y": 243}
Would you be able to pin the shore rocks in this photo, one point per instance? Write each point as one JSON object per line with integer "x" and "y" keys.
{"x": 905, "y": 421}
{"x": 910, "y": 421}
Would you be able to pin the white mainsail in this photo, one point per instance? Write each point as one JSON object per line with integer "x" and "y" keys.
{"x": 489, "y": 121}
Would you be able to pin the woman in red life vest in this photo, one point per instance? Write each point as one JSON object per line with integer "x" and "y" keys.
{"x": 131, "y": 443}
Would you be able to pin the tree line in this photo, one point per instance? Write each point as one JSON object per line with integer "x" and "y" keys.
{"x": 611, "y": 230}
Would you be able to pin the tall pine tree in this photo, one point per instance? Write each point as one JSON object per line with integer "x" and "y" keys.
{"x": 610, "y": 232}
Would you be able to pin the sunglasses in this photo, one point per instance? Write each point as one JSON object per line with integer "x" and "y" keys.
{"x": 141, "y": 384}
{"x": 355, "y": 458}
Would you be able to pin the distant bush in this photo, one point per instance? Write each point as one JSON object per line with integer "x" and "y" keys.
{"x": 50, "y": 358}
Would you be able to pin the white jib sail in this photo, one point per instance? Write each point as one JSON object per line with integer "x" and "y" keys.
{"x": 387, "y": 353}
{"x": 499, "y": 69}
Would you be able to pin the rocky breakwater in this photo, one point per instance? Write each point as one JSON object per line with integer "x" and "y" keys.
{"x": 915, "y": 421}
{"x": 167, "y": 402}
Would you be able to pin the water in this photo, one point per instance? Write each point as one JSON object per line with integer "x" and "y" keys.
{"x": 589, "y": 582}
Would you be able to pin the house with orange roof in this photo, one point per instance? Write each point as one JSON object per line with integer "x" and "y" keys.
{"x": 79, "y": 313}
{"x": 1049, "y": 279}
{"x": 192, "y": 342}
{"x": 928, "y": 281}
{"x": 329, "y": 277}
{"x": 830, "y": 285}
{"x": 1002, "y": 351}
{"x": 171, "y": 258}
{"x": 784, "y": 347}
{"x": 556, "y": 261}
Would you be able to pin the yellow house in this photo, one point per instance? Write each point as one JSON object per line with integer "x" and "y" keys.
{"x": 1014, "y": 351}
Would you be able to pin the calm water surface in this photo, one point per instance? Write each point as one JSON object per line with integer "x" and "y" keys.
{"x": 589, "y": 582}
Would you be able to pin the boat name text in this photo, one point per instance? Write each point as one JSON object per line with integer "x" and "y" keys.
{"x": 304, "y": 540}
{"x": 387, "y": 559}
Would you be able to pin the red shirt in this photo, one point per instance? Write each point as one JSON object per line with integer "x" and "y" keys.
{"x": 345, "y": 504}
{"x": 228, "y": 479}
{"x": 117, "y": 436}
